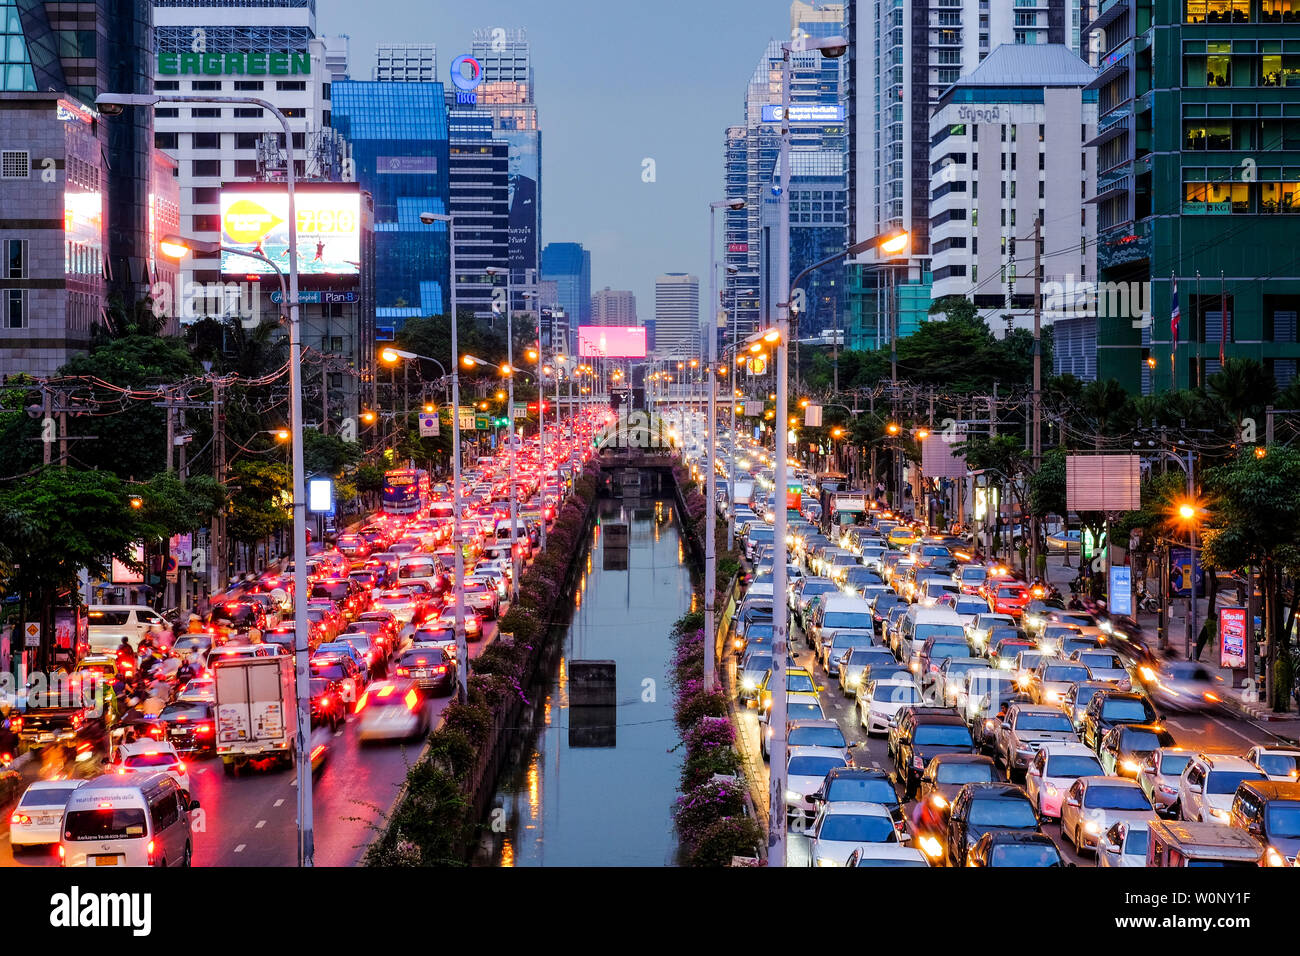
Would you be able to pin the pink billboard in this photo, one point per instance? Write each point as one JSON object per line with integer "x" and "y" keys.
{"x": 611, "y": 341}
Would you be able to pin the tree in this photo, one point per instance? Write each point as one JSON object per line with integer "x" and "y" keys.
{"x": 1243, "y": 387}
{"x": 258, "y": 509}
{"x": 956, "y": 309}
{"x": 1255, "y": 522}
{"x": 327, "y": 454}
{"x": 369, "y": 482}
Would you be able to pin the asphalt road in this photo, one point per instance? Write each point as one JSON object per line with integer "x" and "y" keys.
{"x": 251, "y": 820}
{"x": 1218, "y": 731}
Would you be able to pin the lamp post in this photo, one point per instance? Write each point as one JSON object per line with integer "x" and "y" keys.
{"x": 711, "y": 482}
{"x": 391, "y": 356}
{"x": 541, "y": 416}
{"x": 510, "y": 431}
{"x": 457, "y": 541}
{"x": 113, "y": 103}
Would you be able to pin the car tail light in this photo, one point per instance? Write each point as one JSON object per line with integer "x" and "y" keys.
{"x": 403, "y": 671}
{"x": 16, "y": 724}
{"x": 440, "y": 669}
{"x": 150, "y": 849}
{"x": 203, "y": 729}
{"x": 20, "y": 818}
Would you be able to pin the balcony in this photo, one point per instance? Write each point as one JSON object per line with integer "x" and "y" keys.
{"x": 1109, "y": 12}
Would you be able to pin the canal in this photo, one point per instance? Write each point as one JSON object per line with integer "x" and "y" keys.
{"x": 595, "y": 786}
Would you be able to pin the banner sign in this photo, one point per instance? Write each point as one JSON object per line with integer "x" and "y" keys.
{"x": 1121, "y": 590}
{"x": 1232, "y": 637}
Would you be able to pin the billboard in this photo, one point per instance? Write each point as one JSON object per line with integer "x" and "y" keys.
{"x": 812, "y": 113}
{"x": 1232, "y": 637}
{"x": 1102, "y": 483}
{"x": 255, "y": 218}
{"x": 611, "y": 341}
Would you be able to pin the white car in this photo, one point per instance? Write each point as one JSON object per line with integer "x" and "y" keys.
{"x": 887, "y": 854}
{"x": 1053, "y": 770}
{"x": 1094, "y": 804}
{"x": 38, "y": 817}
{"x": 1104, "y": 666}
{"x": 393, "y": 710}
{"x": 1278, "y": 763}
{"x": 201, "y": 690}
{"x": 844, "y": 826}
{"x": 1208, "y": 784}
{"x": 805, "y": 770}
{"x": 145, "y": 757}
{"x": 1125, "y": 844}
{"x": 880, "y": 700}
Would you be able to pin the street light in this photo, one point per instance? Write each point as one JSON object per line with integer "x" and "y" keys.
{"x": 113, "y": 104}
{"x": 458, "y": 544}
{"x": 507, "y": 371}
{"x": 1190, "y": 514}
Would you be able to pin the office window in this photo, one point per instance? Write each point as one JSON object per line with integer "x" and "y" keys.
{"x": 16, "y": 309}
{"x": 291, "y": 86}
{"x": 245, "y": 168}
{"x": 248, "y": 112}
{"x": 206, "y": 86}
{"x": 1042, "y": 160}
{"x": 246, "y": 140}
{"x": 248, "y": 86}
{"x": 205, "y": 167}
{"x": 166, "y": 86}
{"x": 209, "y": 222}
{"x": 205, "y": 140}
{"x": 166, "y": 140}
{"x": 1279, "y": 198}
{"x": 15, "y": 164}
{"x": 166, "y": 112}
{"x": 206, "y": 112}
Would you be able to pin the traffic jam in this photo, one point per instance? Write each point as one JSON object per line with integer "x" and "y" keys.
{"x": 153, "y": 704}
{"x": 944, "y": 711}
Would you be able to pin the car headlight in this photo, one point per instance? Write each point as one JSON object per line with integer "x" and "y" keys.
{"x": 1052, "y": 697}
{"x": 826, "y": 861}
{"x": 748, "y": 684}
{"x": 1130, "y": 765}
{"x": 1273, "y": 858}
{"x": 792, "y": 797}
{"x": 939, "y": 801}
{"x": 1093, "y": 827}
{"x": 1220, "y": 815}
{"x": 931, "y": 847}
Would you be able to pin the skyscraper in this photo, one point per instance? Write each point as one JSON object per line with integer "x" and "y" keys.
{"x": 677, "y": 315}
{"x": 508, "y": 92}
{"x": 568, "y": 265}
{"x": 613, "y": 307}
{"x": 900, "y": 60}
{"x": 480, "y": 200}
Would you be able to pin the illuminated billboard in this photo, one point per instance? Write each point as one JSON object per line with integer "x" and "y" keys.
{"x": 255, "y": 218}
{"x": 611, "y": 341}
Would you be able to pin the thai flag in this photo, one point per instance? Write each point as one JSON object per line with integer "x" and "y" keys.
{"x": 1174, "y": 313}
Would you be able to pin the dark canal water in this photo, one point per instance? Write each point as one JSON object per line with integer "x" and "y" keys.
{"x": 595, "y": 786}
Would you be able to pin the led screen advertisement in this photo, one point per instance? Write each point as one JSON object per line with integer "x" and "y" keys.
{"x": 611, "y": 341}
{"x": 256, "y": 220}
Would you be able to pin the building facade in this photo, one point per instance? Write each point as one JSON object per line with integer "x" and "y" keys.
{"x": 1007, "y": 145}
{"x": 568, "y": 265}
{"x": 613, "y": 307}
{"x": 406, "y": 63}
{"x": 479, "y": 193}
{"x": 1198, "y": 163}
{"x": 677, "y": 316}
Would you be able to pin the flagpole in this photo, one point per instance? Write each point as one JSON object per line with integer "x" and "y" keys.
{"x": 1223, "y": 315}
{"x": 1198, "y": 320}
{"x": 1173, "y": 335}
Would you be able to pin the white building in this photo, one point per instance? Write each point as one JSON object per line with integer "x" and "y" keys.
{"x": 615, "y": 307}
{"x": 1006, "y": 148}
{"x": 406, "y": 63}
{"x": 677, "y": 315}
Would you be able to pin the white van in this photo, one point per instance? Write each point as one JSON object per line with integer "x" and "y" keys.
{"x": 110, "y": 822}
{"x": 417, "y": 567}
{"x": 109, "y": 623}
{"x": 839, "y": 612}
{"x": 921, "y": 623}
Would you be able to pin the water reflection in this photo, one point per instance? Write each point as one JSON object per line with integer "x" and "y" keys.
{"x": 596, "y": 788}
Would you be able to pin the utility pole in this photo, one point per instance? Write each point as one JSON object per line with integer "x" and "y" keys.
{"x": 47, "y": 414}
{"x": 1268, "y": 424}
{"x": 63, "y": 437}
{"x": 1037, "y": 448}
{"x": 171, "y": 427}
{"x": 1191, "y": 560}
{"x": 217, "y": 560}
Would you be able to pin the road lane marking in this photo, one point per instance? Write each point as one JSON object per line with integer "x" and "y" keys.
{"x": 240, "y": 848}
{"x": 278, "y": 802}
{"x": 1234, "y": 733}
{"x": 1174, "y": 723}
{"x": 260, "y": 824}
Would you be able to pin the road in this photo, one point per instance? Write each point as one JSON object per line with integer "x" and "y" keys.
{"x": 251, "y": 820}
{"x": 1220, "y": 731}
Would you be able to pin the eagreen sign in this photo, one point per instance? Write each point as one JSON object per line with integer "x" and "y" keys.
{"x": 238, "y": 64}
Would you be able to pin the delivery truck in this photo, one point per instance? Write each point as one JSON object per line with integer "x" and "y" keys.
{"x": 256, "y": 711}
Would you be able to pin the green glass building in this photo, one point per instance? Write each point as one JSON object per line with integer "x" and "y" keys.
{"x": 1198, "y": 181}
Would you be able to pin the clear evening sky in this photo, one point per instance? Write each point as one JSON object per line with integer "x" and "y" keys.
{"x": 618, "y": 81}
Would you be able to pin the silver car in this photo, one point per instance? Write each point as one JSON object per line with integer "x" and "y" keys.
{"x": 1182, "y": 685}
{"x": 1094, "y": 804}
{"x": 1125, "y": 844}
{"x": 1104, "y": 666}
{"x": 1076, "y": 699}
{"x": 856, "y": 663}
{"x": 1160, "y": 774}
{"x": 1278, "y": 763}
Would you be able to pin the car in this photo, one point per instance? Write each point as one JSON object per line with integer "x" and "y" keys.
{"x": 347, "y": 649}
{"x": 1065, "y": 540}
{"x": 1093, "y": 804}
{"x": 1014, "y": 848}
{"x": 1125, "y": 844}
{"x": 835, "y": 647}
{"x": 191, "y": 726}
{"x": 1005, "y": 652}
{"x": 797, "y": 680}
{"x": 393, "y": 710}
{"x": 481, "y": 595}
{"x": 341, "y": 668}
{"x": 864, "y": 784}
{"x": 1182, "y": 685}
{"x": 842, "y": 826}
{"x": 879, "y": 701}
{"x": 1025, "y": 729}
{"x": 977, "y": 631}
{"x": 199, "y": 690}
{"x": 401, "y": 604}
{"x": 798, "y": 706}
{"x": 815, "y": 733}
{"x": 979, "y": 808}
{"x": 887, "y": 854}
{"x": 860, "y": 661}
{"x": 144, "y": 758}
{"x": 1208, "y": 783}
{"x": 1076, "y": 699}
{"x": 37, "y": 819}
{"x": 1053, "y": 678}
{"x": 473, "y": 621}
{"x": 945, "y": 775}
{"x": 1278, "y": 763}
{"x": 927, "y": 664}
{"x": 1007, "y": 597}
{"x": 1054, "y": 768}
{"x": 805, "y": 770}
{"x": 1269, "y": 810}
{"x": 923, "y": 733}
{"x": 1160, "y": 776}
{"x": 750, "y": 672}
{"x": 1109, "y": 708}
{"x": 952, "y": 676}
{"x": 1124, "y": 747}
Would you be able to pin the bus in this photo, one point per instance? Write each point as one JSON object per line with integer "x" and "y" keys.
{"x": 407, "y": 491}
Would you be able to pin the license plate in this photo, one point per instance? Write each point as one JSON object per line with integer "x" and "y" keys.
{"x": 419, "y": 672}
{"x": 106, "y": 861}
{"x": 45, "y": 737}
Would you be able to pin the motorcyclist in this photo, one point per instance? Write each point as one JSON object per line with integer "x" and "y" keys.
{"x": 195, "y": 625}
{"x": 147, "y": 661}
{"x": 186, "y": 672}
{"x": 125, "y": 655}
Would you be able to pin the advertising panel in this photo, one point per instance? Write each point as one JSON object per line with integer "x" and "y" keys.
{"x": 255, "y": 218}
{"x": 1121, "y": 590}
{"x": 1232, "y": 637}
{"x": 601, "y": 341}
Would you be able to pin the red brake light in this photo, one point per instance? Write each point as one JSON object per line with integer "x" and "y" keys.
{"x": 20, "y": 818}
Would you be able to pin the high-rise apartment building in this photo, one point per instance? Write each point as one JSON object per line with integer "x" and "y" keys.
{"x": 901, "y": 58}
{"x": 677, "y": 316}
{"x": 480, "y": 200}
{"x": 1007, "y": 147}
{"x": 406, "y": 63}
{"x": 1198, "y": 165}
{"x": 613, "y": 307}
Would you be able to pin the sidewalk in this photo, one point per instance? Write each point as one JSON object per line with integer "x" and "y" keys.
{"x": 1241, "y": 700}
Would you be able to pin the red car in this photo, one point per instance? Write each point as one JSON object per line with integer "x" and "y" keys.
{"x": 1007, "y": 597}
